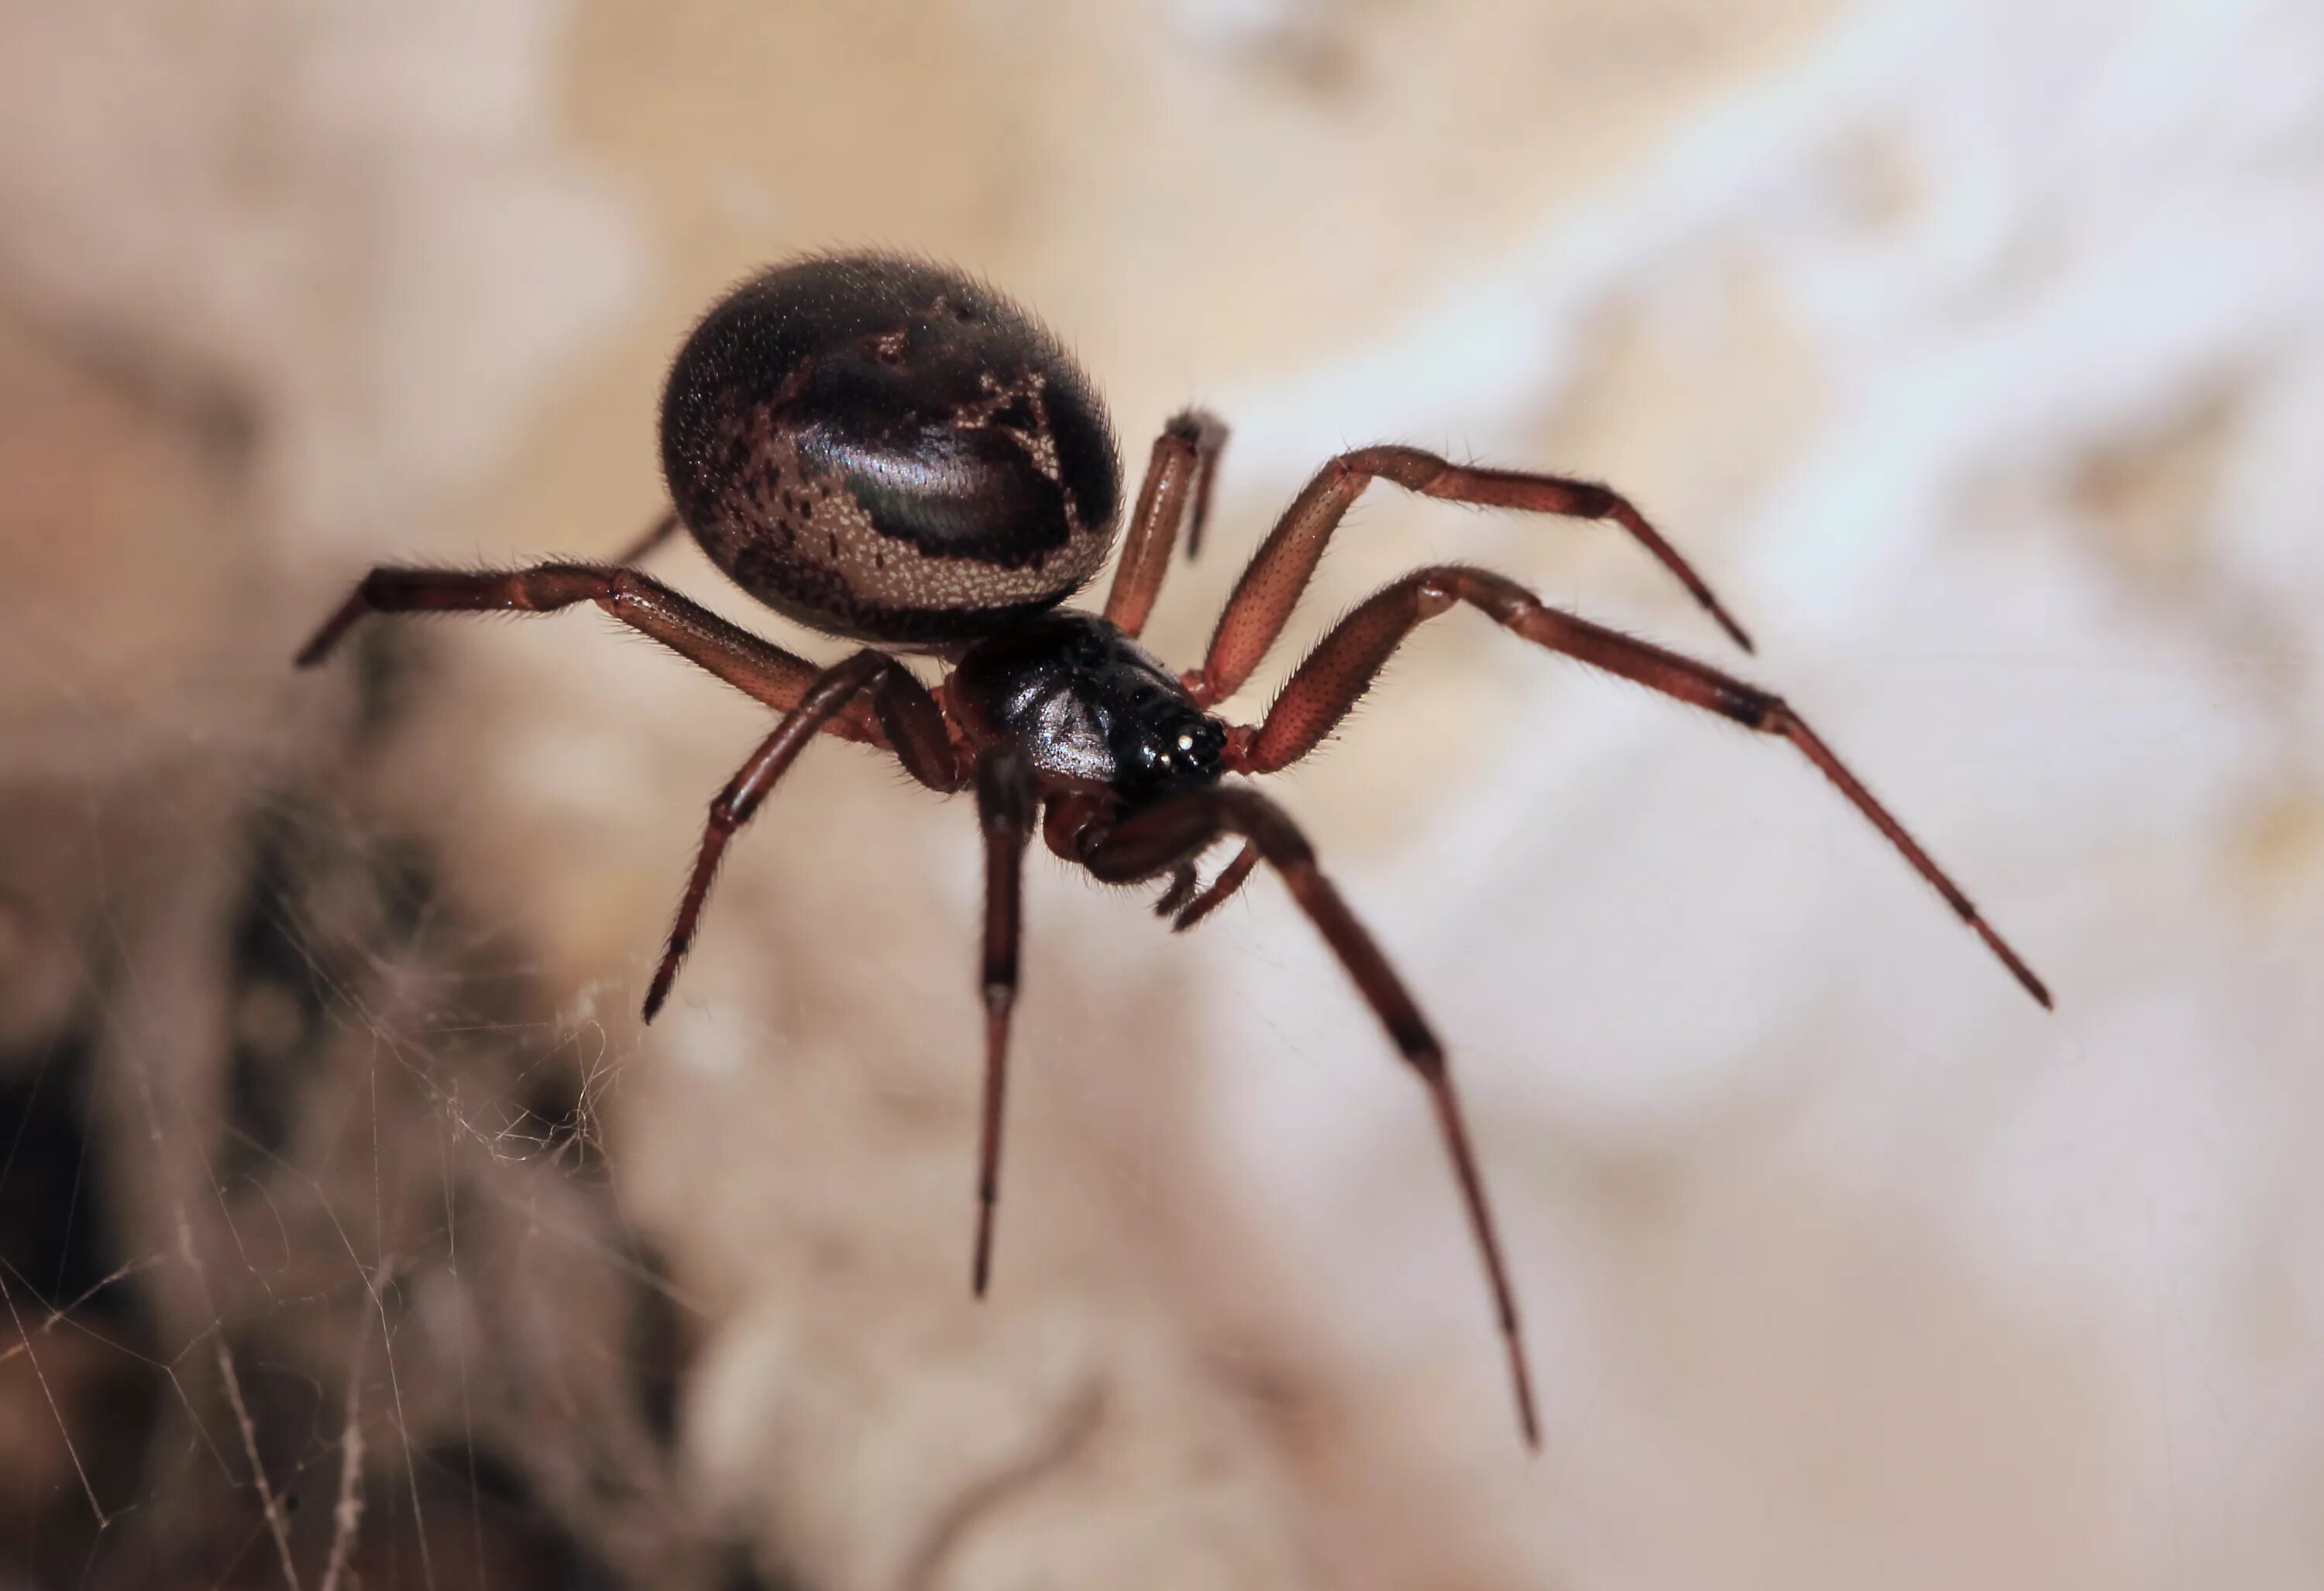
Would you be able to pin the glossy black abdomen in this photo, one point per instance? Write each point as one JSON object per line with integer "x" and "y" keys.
{"x": 885, "y": 449}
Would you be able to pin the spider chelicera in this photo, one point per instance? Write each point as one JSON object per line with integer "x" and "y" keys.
{"x": 886, "y": 450}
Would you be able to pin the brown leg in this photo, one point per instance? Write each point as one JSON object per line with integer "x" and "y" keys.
{"x": 1177, "y": 489}
{"x": 1339, "y": 671}
{"x": 1006, "y": 807}
{"x": 1183, "y": 879}
{"x": 1231, "y": 878}
{"x": 659, "y": 531}
{"x": 915, "y": 727}
{"x": 756, "y": 668}
{"x": 1264, "y": 597}
{"x": 1185, "y": 906}
{"x": 1157, "y": 840}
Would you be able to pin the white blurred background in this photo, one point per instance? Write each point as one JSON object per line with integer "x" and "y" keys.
{"x": 1974, "y": 350}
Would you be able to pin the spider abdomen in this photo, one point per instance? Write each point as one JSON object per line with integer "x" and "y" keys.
{"x": 885, "y": 449}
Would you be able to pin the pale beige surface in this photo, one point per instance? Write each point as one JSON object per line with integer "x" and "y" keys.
{"x": 1969, "y": 350}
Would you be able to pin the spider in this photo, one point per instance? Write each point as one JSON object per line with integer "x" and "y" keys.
{"x": 887, "y": 451}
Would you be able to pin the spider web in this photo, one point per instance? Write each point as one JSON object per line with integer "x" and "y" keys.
{"x": 315, "y": 1257}
{"x": 315, "y": 1270}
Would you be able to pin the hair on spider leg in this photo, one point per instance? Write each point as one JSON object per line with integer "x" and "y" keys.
{"x": 896, "y": 456}
{"x": 1359, "y": 696}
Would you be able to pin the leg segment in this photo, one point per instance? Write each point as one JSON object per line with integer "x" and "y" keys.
{"x": 1186, "y": 904}
{"x": 1339, "y": 671}
{"x": 1157, "y": 840}
{"x": 1231, "y": 878}
{"x": 1005, "y": 804}
{"x": 1263, "y": 599}
{"x": 756, "y": 668}
{"x": 1183, "y": 880}
{"x": 1177, "y": 490}
{"x": 914, "y": 725}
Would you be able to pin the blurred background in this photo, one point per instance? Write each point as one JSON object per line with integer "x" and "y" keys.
{"x": 352, "y": 1232}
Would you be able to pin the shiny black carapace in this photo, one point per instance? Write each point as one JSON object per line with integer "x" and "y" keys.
{"x": 887, "y": 450}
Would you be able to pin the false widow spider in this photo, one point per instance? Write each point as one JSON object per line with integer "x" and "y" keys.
{"x": 887, "y": 451}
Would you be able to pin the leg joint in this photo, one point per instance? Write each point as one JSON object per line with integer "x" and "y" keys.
{"x": 1420, "y": 1051}
{"x": 1591, "y": 501}
{"x": 1753, "y": 708}
{"x": 1408, "y": 467}
{"x": 617, "y": 588}
{"x": 1433, "y": 596}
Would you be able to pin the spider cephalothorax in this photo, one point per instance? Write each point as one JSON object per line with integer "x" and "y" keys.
{"x": 884, "y": 449}
{"x": 1086, "y": 702}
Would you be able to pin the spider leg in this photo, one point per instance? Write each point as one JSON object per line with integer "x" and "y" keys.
{"x": 914, "y": 725}
{"x": 1157, "y": 840}
{"x": 1342, "y": 667}
{"x": 1005, "y": 805}
{"x": 1177, "y": 489}
{"x": 1231, "y": 878}
{"x": 1185, "y": 904}
{"x": 1279, "y": 572}
{"x": 756, "y": 668}
{"x": 1183, "y": 879}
